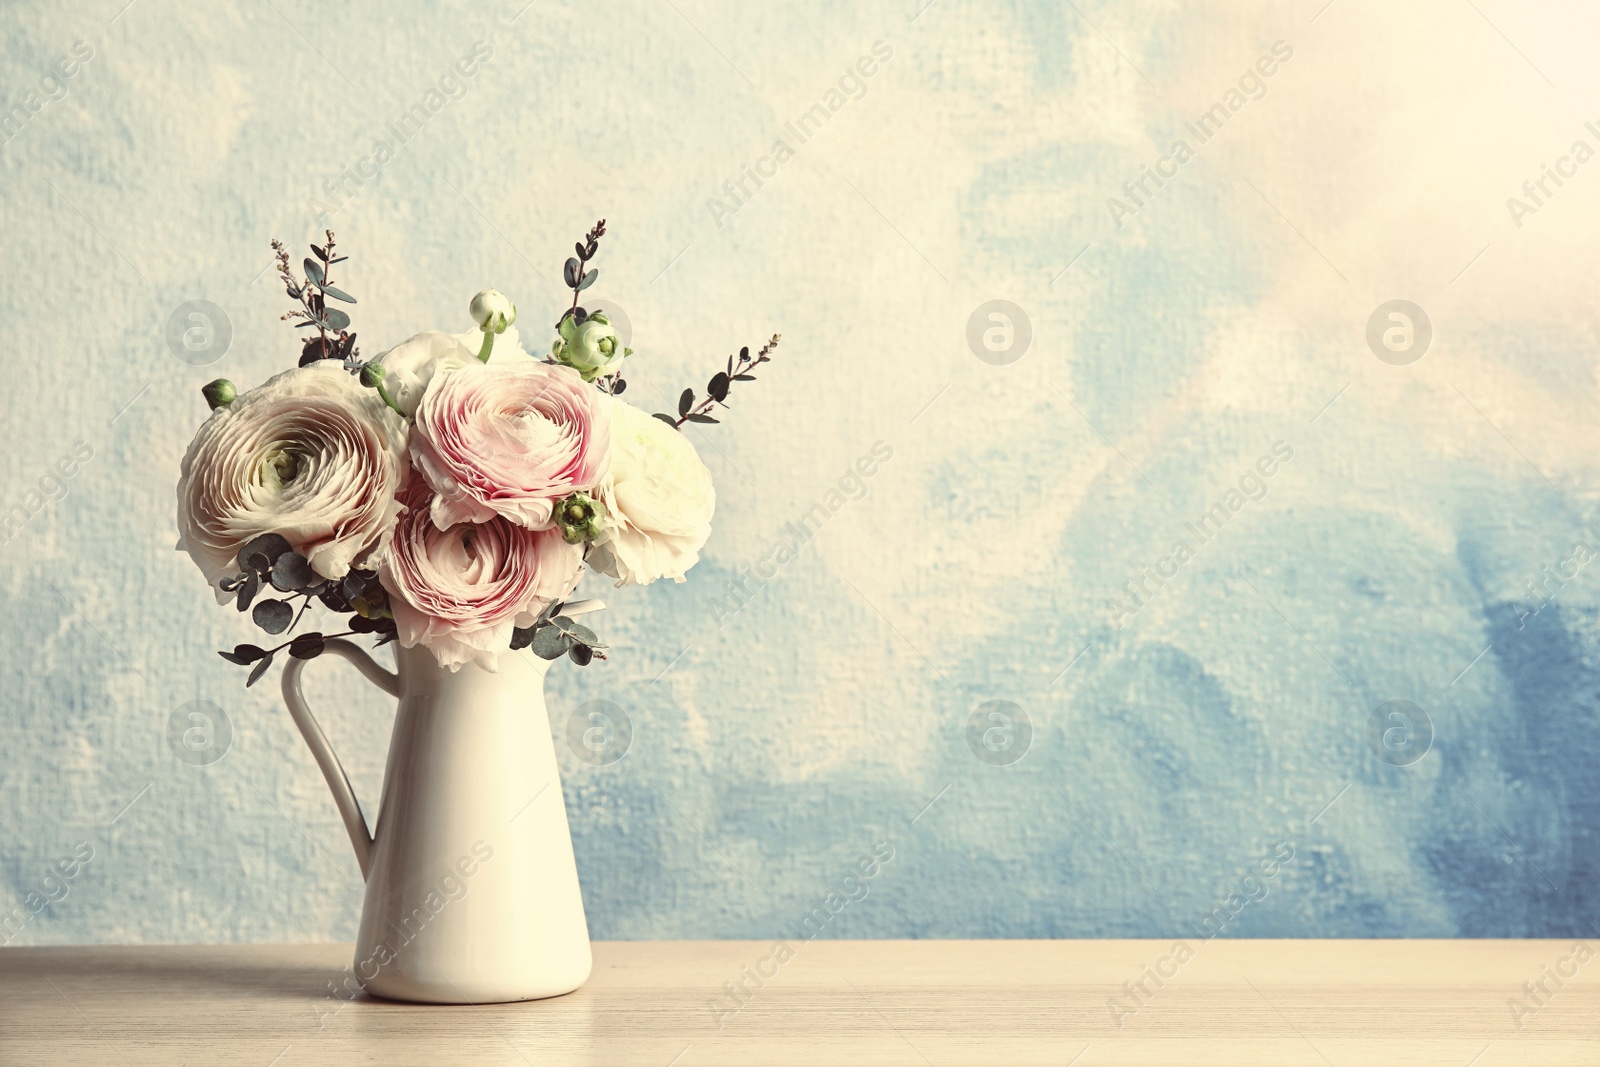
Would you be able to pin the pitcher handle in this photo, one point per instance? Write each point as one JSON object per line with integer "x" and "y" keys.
{"x": 332, "y": 770}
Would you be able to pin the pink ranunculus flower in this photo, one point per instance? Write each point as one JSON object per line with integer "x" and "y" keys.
{"x": 311, "y": 454}
{"x": 462, "y": 590}
{"x": 508, "y": 440}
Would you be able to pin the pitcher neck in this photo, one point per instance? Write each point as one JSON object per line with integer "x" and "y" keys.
{"x": 419, "y": 668}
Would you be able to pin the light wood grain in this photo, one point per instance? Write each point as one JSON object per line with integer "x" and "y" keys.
{"x": 1238, "y": 1003}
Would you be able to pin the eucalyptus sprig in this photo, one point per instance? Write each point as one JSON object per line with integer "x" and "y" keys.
{"x": 577, "y": 274}
{"x": 554, "y": 635}
{"x": 333, "y": 340}
{"x": 269, "y": 561}
{"x": 717, "y": 388}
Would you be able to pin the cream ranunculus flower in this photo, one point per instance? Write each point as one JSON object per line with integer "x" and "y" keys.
{"x": 311, "y": 454}
{"x": 410, "y": 365}
{"x": 463, "y": 590}
{"x": 658, "y": 498}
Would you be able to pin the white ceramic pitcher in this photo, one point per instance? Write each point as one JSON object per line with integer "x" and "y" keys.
{"x": 472, "y": 893}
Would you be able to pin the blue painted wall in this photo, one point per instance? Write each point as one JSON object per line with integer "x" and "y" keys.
{"x": 1148, "y": 767}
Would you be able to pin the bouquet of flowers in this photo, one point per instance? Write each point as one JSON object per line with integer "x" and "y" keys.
{"x": 449, "y": 492}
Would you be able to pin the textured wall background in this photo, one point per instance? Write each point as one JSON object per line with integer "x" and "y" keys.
{"x": 1174, "y": 341}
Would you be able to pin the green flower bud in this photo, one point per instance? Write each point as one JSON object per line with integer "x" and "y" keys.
{"x": 219, "y": 394}
{"x": 373, "y": 603}
{"x": 592, "y": 347}
{"x": 580, "y": 518}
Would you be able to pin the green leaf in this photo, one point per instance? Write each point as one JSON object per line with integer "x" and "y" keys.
{"x": 580, "y": 654}
{"x": 291, "y": 572}
{"x": 273, "y": 616}
{"x": 307, "y": 646}
{"x": 718, "y": 387}
{"x": 521, "y": 637}
{"x": 338, "y": 294}
{"x": 248, "y": 590}
{"x": 577, "y": 630}
{"x": 314, "y": 271}
{"x": 243, "y": 654}
{"x": 336, "y": 319}
{"x": 668, "y": 419}
{"x": 588, "y": 278}
{"x": 692, "y": 417}
{"x": 685, "y": 401}
{"x": 260, "y": 669}
{"x": 570, "y": 273}
{"x": 550, "y": 643}
{"x": 260, "y": 553}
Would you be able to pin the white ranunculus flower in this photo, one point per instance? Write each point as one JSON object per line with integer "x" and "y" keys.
{"x": 409, "y": 366}
{"x": 311, "y": 454}
{"x": 658, "y": 498}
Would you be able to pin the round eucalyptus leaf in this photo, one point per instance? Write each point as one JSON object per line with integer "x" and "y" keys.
{"x": 291, "y": 571}
{"x": 550, "y": 643}
{"x": 273, "y": 616}
{"x": 577, "y": 629}
{"x": 259, "y": 553}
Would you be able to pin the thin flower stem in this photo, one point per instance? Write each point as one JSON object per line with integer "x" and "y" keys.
{"x": 383, "y": 391}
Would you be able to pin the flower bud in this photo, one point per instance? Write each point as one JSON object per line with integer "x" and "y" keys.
{"x": 580, "y": 518}
{"x": 591, "y": 347}
{"x": 219, "y": 394}
{"x": 373, "y": 603}
{"x": 492, "y": 311}
{"x": 372, "y": 375}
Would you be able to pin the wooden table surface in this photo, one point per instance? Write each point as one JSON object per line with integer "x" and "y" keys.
{"x": 1357, "y": 1003}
